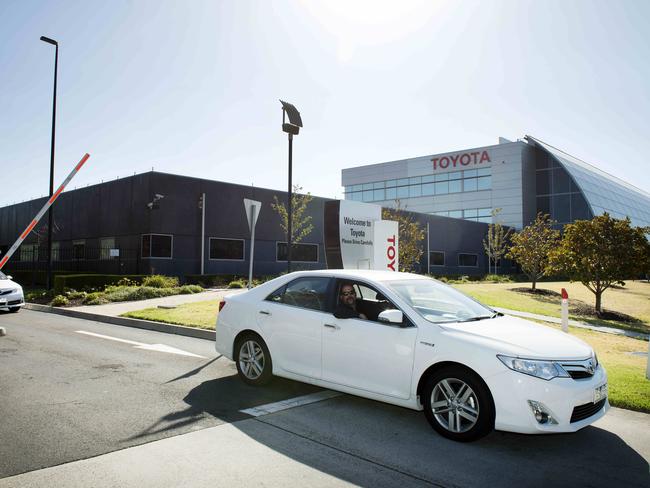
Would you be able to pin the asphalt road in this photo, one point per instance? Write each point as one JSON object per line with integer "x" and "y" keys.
{"x": 68, "y": 396}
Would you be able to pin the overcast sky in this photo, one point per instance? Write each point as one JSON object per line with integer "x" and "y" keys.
{"x": 192, "y": 87}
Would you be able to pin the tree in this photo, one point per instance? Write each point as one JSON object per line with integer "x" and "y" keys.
{"x": 531, "y": 247}
{"x": 301, "y": 225}
{"x": 495, "y": 242}
{"x": 601, "y": 252}
{"x": 411, "y": 235}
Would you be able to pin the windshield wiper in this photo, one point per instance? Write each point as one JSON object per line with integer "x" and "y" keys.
{"x": 482, "y": 317}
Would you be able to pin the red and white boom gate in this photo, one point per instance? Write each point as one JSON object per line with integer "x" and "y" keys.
{"x": 42, "y": 211}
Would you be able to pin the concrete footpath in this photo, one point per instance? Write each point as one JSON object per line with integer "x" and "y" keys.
{"x": 110, "y": 313}
{"x": 118, "y": 308}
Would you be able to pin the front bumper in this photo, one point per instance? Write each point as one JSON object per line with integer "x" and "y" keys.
{"x": 512, "y": 390}
{"x": 12, "y": 300}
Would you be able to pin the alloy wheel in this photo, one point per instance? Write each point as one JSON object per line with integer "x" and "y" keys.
{"x": 454, "y": 405}
{"x": 251, "y": 359}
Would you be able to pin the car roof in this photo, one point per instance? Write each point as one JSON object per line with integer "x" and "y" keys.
{"x": 369, "y": 274}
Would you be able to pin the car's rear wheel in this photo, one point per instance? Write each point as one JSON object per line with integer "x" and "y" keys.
{"x": 14, "y": 309}
{"x": 458, "y": 404}
{"x": 253, "y": 360}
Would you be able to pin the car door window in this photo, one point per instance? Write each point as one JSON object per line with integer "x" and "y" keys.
{"x": 370, "y": 302}
{"x": 310, "y": 293}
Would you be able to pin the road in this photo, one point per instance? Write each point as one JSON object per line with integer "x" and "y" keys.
{"x": 84, "y": 409}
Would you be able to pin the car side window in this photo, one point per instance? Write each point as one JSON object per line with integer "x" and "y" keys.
{"x": 310, "y": 293}
{"x": 370, "y": 302}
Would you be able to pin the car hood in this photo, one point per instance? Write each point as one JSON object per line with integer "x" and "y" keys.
{"x": 522, "y": 338}
{"x": 9, "y": 284}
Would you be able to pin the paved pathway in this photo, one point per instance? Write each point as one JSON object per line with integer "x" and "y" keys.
{"x": 574, "y": 323}
{"x": 118, "y": 308}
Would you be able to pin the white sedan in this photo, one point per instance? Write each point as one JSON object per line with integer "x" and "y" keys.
{"x": 415, "y": 342}
{"x": 11, "y": 294}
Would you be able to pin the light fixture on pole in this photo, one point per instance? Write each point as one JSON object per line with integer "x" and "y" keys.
{"x": 291, "y": 128}
{"x": 49, "y": 213}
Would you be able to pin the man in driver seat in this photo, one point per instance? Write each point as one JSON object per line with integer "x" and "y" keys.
{"x": 347, "y": 304}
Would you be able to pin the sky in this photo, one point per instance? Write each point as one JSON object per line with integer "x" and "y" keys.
{"x": 193, "y": 87}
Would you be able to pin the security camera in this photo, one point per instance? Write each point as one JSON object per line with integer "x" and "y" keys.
{"x": 159, "y": 196}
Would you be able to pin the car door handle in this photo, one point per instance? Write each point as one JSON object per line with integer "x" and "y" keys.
{"x": 332, "y": 326}
{"x": 265, "y": 312}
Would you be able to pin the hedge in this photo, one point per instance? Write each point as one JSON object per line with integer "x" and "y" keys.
{"x": 84, "y": 281}
{"x": 33, "y": 277}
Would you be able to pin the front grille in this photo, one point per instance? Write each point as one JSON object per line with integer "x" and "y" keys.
{"x": 14, "y": 302}
{"x": 585, "y": 411}
{"x": 580, "y": 369}
{"x": 578, "y": 375}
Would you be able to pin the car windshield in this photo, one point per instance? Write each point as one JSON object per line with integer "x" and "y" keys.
{"x": 440, "y": 303}
{"x": 3, "y": 276}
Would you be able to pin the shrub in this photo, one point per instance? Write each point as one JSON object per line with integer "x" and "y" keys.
{"x": 94, "y": 298}
{"x": 75, "y": 295}
{"x": 237, "y": 284}
{"x": 59, "y": 301}
{"x": 88, "y": 281}
{"x": 160, "y": 281}
{"x": 126, "y": 282}
{"x": 189, "y": 289}
{"x": 492, "y": 278}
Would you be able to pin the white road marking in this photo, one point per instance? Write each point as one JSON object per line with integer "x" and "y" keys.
{"x": 147, "y": 347}
{"x": 291, "y": 403}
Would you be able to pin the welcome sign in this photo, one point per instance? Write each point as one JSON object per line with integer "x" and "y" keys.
{"x": 356, "y": 237}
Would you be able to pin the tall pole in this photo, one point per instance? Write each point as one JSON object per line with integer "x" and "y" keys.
{"x": 251, "y": 257}
{"x": 289, "y": 209}
{"x": 202, "y": 234}
{"x": 49, "y": 212}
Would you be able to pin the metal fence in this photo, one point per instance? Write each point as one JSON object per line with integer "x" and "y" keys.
{"x": 77, "y": 260}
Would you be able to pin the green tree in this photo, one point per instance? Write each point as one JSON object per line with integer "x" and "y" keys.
{"x": 495, "y": 242}
{"x": 531, "y": 247}
{"x": 301, "y": 225}
{"x": 411, "y": 235}
{"x": 601, "y": 252}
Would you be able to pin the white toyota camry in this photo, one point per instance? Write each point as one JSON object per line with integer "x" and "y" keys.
{"x": 412, "y": 341}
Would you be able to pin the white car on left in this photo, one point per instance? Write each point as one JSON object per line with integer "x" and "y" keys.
{"x": 11, "y": 294}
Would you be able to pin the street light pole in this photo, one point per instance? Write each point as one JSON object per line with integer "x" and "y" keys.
{"x": 49, "y": 212}
{"x": 290, "y": 207}
{"x": 291, "y": 128}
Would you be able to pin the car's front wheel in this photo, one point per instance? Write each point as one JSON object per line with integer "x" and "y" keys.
{"x": 458, "y": 404}
{"x": 253, "y": 360}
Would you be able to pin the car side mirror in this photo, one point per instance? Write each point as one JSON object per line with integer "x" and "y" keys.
{"x": 9, "y": 277}
{"x": 391, "y": 317}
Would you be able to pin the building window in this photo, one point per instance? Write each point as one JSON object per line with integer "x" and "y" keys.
{"x": 157, "y": 245}
{"x": 428, "y": 185}
{"x": 230, "y": 249}
{"x": 300, "y": 253}
{"x": 468, "y": 260}
{"x": 78, "y": 249}
{"x": 437, "y": 258}
{"x": 29, "y": 252}
{"x": 105, "y": 246}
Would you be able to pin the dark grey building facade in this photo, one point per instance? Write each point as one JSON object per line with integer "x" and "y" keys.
{"x": 151, "y": 223}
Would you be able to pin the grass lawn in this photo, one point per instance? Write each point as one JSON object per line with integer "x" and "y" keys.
{"x": 632, "y": 300}
{"x": 199, "y": 314}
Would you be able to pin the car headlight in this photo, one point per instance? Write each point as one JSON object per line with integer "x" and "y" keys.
{"x": 539, "y": 368}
